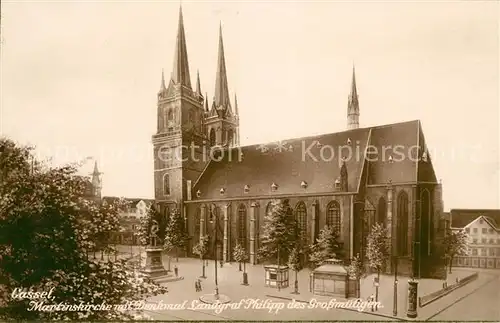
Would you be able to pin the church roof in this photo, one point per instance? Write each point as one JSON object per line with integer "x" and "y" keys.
{"x": 462, "y": 217}
{"x": 262, "y": 165}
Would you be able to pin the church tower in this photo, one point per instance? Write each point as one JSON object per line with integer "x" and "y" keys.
{"x": 353, "y": 105}
{"x": 96, "y": 183}
{"x": 222, "y": 124}
{"x": 179, "y": 141}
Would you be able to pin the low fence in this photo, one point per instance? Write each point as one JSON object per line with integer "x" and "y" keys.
{"x": 429, "y": 298}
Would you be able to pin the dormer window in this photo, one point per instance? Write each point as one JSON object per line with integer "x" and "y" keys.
{"x": 274, "y": 187}
{"x": 303, "y": 184}
{"x": 390, "y": 159}
{"x": 337, "y": 183}
{"x": 246, "y": 189}
{"x": 222, "y": 191}
{"x": 290, "y": 148}
{"x": 198, "y": 193}
{"x": 348, "y": 141}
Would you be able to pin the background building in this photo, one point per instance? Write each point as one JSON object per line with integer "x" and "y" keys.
{"x": 482, "y": 227}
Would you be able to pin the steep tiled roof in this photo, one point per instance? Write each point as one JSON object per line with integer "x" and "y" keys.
{"x": 394, "y": 140}
{"x": 461, "y": 217}
{"x": 289, "y": 167}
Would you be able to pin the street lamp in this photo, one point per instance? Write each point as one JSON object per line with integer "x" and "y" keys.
{"x": 214, "y": 220}
{"x": 395, "y": 305}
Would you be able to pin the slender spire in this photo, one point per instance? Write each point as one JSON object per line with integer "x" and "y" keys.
{"x": 354, "y": 91}
{"x": 96, "y": 170}
{"x": 162, "y": 85}
{"x": 236, "y": 105}
{"x": 353, "y": 104}
{"x": 198, "y": 86}
{"x": 221, "y": 88}
{"x": 180, "y": 72}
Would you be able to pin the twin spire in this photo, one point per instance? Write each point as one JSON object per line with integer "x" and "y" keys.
{"x": 221, "y": 88}
{"x": 180, "y": 72}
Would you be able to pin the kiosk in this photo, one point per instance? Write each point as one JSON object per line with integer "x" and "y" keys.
{"x": 276, "y": 276}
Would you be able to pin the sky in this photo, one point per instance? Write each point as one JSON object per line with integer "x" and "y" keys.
{"x": 80, "y": 78}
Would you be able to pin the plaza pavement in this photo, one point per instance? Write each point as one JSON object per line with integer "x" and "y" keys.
{"x": 230, "y": 279}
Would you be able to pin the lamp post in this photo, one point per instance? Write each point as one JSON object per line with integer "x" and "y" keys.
{"x": 395, "y": 305}
{"x": 215, "y": 222}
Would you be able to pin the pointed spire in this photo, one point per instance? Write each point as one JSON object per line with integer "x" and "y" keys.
{"x": 162, "y": 85}
{"x": 236, "y": 105}
{"x": 180, "y": 72}
{"x": 221, "y": 88}
{"x": 96, "y": 170}
{"x": 353, "y": 104}
{"x": 206, "y": 102}
{"x": 198, "y": 86}
{"x": 354, "y": 92}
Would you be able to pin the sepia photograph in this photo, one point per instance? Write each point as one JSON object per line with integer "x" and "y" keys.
{"x": 249, "y": 161}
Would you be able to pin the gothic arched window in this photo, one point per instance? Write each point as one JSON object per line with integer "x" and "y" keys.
{"x": 402, "y": 224}
{"x": 166, "y": 184}
{"x": 212, "y": 137}
{"x": 197, "y": 227}
{"x": 242, "y": 225}
{"x": 301, "y": 218}
{"x": 381, "y": 211}
{"x": 333, "y": 216}
{"x": 268, "y": 208}
{"x": 426, "y": 218}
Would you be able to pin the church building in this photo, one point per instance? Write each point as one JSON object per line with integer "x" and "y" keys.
{"x": 349, "y": 179}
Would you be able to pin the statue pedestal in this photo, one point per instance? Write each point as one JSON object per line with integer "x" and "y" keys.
{"x": 154, "y": 264}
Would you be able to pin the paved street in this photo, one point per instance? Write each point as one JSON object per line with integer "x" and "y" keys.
{"x": 475, "y": 301}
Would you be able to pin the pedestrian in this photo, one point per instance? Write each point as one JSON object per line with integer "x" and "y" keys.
{"x": 199, "y": 285}
{"x": 371, "y": 298}
{"x": 196, "y": 287}
{"x": 176, "y": 271}
{"x": 221, "y": 263}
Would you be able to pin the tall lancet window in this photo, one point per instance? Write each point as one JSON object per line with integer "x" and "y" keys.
{"x": 381, "y": 211}
{"x": 212, "y": 137}
{"x": 230, "y": 137}
{"x": 301, "y": 218}
{"x": 402, "y": 224}
{"x": 197, "y": 225}
{"x": 166, "y": 184}
{"x": 242, "y": 225}
{"x": 333, "y": 216}
{"x": 427, "y": 218}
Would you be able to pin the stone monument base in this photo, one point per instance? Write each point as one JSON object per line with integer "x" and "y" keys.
{"x": 154, "y": 264}
{"x": 212, "y": 299}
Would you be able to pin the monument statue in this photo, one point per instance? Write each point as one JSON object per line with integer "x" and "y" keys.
{"x": 154, "y": 233}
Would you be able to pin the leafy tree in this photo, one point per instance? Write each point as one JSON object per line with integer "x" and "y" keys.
{"x": 280, "y": 232}
{"x": 327, "y": 246}
{"x": 175, "y": 234}
{"x": 201, "y": 250}
{"x": 377, "y": 249}
{"x": 296, "y": 264}
{"x": 241, "y": 256}
{"x": 455, "y": 244}
{"x": 356, "y": 271}
{"x": 46, "y": 226}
